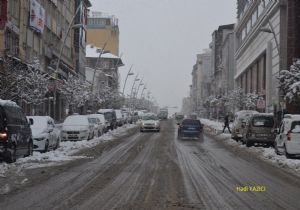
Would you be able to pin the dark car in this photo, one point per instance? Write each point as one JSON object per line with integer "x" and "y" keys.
{"x": 110, "y": 117}
{"x": 190, "y": 128}
{"x": 259, "y": 128}
{"x": 15, "y": 132}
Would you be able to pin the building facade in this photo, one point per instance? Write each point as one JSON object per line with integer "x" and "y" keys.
{"x": 267, "y": 41}
{"x": 221, "y": 60}
{"x": 37, "y": 30}
{"x": 103, "y": 30}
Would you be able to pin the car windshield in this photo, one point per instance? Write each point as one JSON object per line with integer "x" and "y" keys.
{"x": 150, "y": 117}
{"x": 39, "y": 122}
{"x": 76, "y": 120}
{"x": 295, "y": 127}
{"x": 108, "y": 115}
{"x": 191, "y": 122}
{"x": 262, "y": 121}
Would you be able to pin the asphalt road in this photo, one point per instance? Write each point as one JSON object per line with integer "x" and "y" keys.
{"x": 158, "y": 171}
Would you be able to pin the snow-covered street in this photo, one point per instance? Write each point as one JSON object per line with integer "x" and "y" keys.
{"x": 66, "y": 152}
{"x": 265, "y": 153}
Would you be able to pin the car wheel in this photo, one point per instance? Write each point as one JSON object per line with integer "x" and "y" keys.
{"x": 57, "y": 144}
{"x": 46, "y": 146}
{"x": 248, "y": 143}
{"x": 11, "y": 157}
{"x": 30, "y": 149}
{"x": 276, "y": 149}
{"x": 287, "y": 155}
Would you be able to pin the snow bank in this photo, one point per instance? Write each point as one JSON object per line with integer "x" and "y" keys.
{"x": 64, "y": 153}
{"x": 267, "y": 154}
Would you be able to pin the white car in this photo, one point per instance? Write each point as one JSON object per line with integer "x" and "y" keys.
{"x": 150, "y": 122}
{"x": 45, "y": 135}
{"x": 101, "y": 125}
{"x": 287, "y": 141}
{"x": 240, "y": 117}
{"x": 77, "y": 128}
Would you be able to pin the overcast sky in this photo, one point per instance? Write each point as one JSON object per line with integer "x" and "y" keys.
{"x": 162, "y": 37}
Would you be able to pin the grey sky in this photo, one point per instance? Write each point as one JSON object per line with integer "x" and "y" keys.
{"x": 162, "y": 37}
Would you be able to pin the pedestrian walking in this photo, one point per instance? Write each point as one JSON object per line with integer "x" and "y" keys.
{"x": 226, "y": 123}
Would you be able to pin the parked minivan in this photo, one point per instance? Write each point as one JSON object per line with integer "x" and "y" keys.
{"x": 110, "y": 117}
{"x": 259, "y": 128}
{"x": 287, "y": 141}
{"x": 15, "y": 132}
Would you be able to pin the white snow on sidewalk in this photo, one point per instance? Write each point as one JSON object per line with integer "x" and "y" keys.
{"x": 267, "y": 154}
{"x": 64, "y": 153}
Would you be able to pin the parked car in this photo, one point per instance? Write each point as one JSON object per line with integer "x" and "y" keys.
{"x": 45, "y": 135}
{"x": 119, "y": 117}
{"x": 100, "y": 124}
{"x": 127, "y": 117}
{"x": 96, "y": 123}
{"x": 189, "y": 128}
{"x": 150, "y": 122}
{"x": 259, "y": 128}
{"x": 76, "y": 128}
{"x": 239, "y": 118}
{"x": 15, "y": 133}
{"x": 287, "y": 141}
{"x": 110, "y": 117}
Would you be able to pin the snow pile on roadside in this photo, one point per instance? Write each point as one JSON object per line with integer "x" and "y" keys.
{"x": 267, "y": 154}
{"x": 64, "y": 153}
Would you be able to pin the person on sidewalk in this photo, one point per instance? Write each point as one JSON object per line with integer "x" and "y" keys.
{"x": 226, "y": 123}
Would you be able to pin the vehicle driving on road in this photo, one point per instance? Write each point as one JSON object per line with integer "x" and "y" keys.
{"x": 150, "y": 122}
{"x": 189, "y": 128}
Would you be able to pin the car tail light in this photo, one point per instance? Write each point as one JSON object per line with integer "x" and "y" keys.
{"x": 3, "y": 136}
{"x": 289, "y": 135}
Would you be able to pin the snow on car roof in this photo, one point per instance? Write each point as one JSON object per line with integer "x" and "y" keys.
{"x": 105, "y": 110}
{"x": 7, "y": 102}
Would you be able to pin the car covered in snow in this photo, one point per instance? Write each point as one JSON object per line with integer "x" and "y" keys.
{"x": 189, "y": 128}
{"x": 239, "y": 118}
{"x": 150, "y": 122}
{"x": 259, "y": 128}
{"x": 99, "y": 122}
{"x": 45, "y": 135}
{"x": 287, "y": 141}
{"x": 76, "y": 128}
{"x": 15, "y": 133}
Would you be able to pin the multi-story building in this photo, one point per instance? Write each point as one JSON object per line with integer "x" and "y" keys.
{"x": 33, "y": 30}
{"x": 267, "y": 41}
{"x": 220, "y": 59}
{"x": 200, "y": 88}
{"x": 102, "y": 71}
{"x": 103, "y": 30}
{"x": 80, "y": 35}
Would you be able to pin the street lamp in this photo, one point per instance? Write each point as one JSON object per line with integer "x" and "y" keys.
{"x": 143, "y": 90}
{"x": 128, "y": 74}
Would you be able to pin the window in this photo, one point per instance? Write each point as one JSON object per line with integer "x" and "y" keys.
{"x": 263, "y": 122}
{"x": 254, "y": 17}
{"x": 248, "y": 26}
{"x": 243, "y": 33}
{"x": 261, "y": 7}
